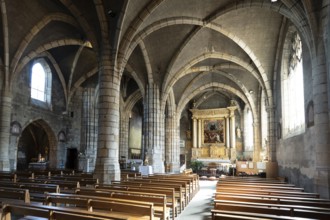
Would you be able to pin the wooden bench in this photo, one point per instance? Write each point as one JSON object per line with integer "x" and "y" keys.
{"x": 239, "y": 190}
{"x": 7, "y": 176}
{"x": 194, "y": 178}
{"x": 169, "y": 192}
{"x": 187, "y": 184}
{"x": 276, "y": 199}
{"x": 82, "y": 180}
{"x": 293, "y": 211}
{"x": 36, "y": 190}
{"x": 159, "y": 200}
{"x": 50, "y": 212}
{"x": 260, "y": 187}
{"x": 252, "y": 197}
{"x": 230, "y": 215}
{"x": 64, "y": 185}
{"x": 138, "y": 209}
{"x": 292, "y": 207}
{"x": 179, "y": 190}
{"x": 14, "y": 194}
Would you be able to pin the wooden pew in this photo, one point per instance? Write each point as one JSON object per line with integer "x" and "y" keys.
{"x": 239, "y": 190}
{"x": 185, "y": 184}
{"x": 274, "y": 209}
{"x": 159, "y": 200}
{"x": 36, "y": 190}
{"x": 188, "y": 183}
{"x": 14, "y": 194}
{"x": 277, "y": 184}
{"x": 138, "y": 209}
{"x": 169, "y": 192}
{"x": 52, "y": 212}
{"x": 276, "y": 199}
{"x": 250, "y": 196}
{"x": 82, "y": 180}
{"x": 179, "y": 191}
{"x": 7, "y": 176}
{"x": 260, "y": 187}
{"x": 292, "y": 207}
{"x": 193, "y": 177}
{"x": 64, "y": 185}
{"x": 230, "y": 215}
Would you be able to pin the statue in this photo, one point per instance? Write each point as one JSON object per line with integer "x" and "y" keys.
{"x": 188, "y": 134}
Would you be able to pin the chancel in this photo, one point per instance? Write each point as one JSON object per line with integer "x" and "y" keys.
{"x": 97, "y": 93}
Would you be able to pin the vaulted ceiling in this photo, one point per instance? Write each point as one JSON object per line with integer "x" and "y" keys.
{"x": 210, "y": 51}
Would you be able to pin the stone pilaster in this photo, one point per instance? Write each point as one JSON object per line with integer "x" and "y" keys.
{"x": 172, "y": 148}
{"x": 321, "y": 99}
{"x": 199, "y": 144}
{"x": 88, "y": 131}
{"x": 256, "y": 140}
{"x": 271, "y": 151}
{"x": 124, "y": 132}
{"x": 153, "y": 126}
{"x": 227, "y": 133}
{"x": 4, "y": 130}
{"x": 107, "y": 164}
{"x": 194, "y": 132}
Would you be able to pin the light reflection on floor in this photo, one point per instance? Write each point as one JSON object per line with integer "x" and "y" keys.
{"x": 199, "y": 208}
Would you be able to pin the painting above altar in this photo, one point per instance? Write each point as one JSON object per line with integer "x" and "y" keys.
{"x": 213, "y": 131}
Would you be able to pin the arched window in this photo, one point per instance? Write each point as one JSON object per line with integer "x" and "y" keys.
{"x": 293, "y": 89}
{"x": 248, "y": 130}
{"x": 41, "y": 79}
{"x": 38, "y": 82}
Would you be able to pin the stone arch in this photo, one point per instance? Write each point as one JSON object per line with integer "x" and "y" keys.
{"x": 46, "y": 146}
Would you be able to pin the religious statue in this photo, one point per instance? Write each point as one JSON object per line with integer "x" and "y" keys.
{"x": 238, "y": 132}
{"x": 188, "y": 134}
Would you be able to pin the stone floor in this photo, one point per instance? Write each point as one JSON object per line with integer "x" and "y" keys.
{"x": 199, "y": 208}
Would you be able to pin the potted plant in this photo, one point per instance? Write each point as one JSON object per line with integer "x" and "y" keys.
{"x": 196, "y": 165}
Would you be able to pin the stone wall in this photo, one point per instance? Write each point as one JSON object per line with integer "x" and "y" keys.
{"x": 54, "y": 117}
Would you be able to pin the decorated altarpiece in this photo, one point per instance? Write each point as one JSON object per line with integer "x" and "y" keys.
{"x": 213, "y": 134}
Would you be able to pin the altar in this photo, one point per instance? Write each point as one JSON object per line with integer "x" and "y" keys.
{"x": 38, "y": 166}
{"x": 213, "y": 151}
{"x": 145, "y": 170}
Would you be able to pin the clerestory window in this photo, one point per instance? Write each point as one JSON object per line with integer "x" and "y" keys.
{"x": 41, "y": 78}
{"x": 293, "y": 90}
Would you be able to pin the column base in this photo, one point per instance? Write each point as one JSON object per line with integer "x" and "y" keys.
{"x": 322, "y": 182}
{"x": 4, "y": 165}
{"x": 107, "y": 172}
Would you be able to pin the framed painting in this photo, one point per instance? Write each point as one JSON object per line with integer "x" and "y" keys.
{"x": 213, "y": 131}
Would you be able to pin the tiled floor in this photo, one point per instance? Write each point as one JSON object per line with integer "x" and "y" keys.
{"x": 199, "y": 208}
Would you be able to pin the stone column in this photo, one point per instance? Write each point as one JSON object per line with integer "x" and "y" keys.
{"x": 5, "y": 103}
{"x": 271, "y": 148}
{"x": 227, "y": 133}
{"x": 194, "y": 132}
{"x": 107, "y": 164}
{"x": 172, "y": 148}
{"x": 88, "y": 124}
{"x": 321, "y": 99}
{"x": 256, "y": 140}
{"x": 232, "y": 131}
{"x": 153, "y": 126}
{"x": 199, "y": 133}
{"x": 124, "y": 132}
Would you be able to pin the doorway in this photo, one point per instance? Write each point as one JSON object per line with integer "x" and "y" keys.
{"x": 33, "y": 146}
{"x": 71, "y": 159}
